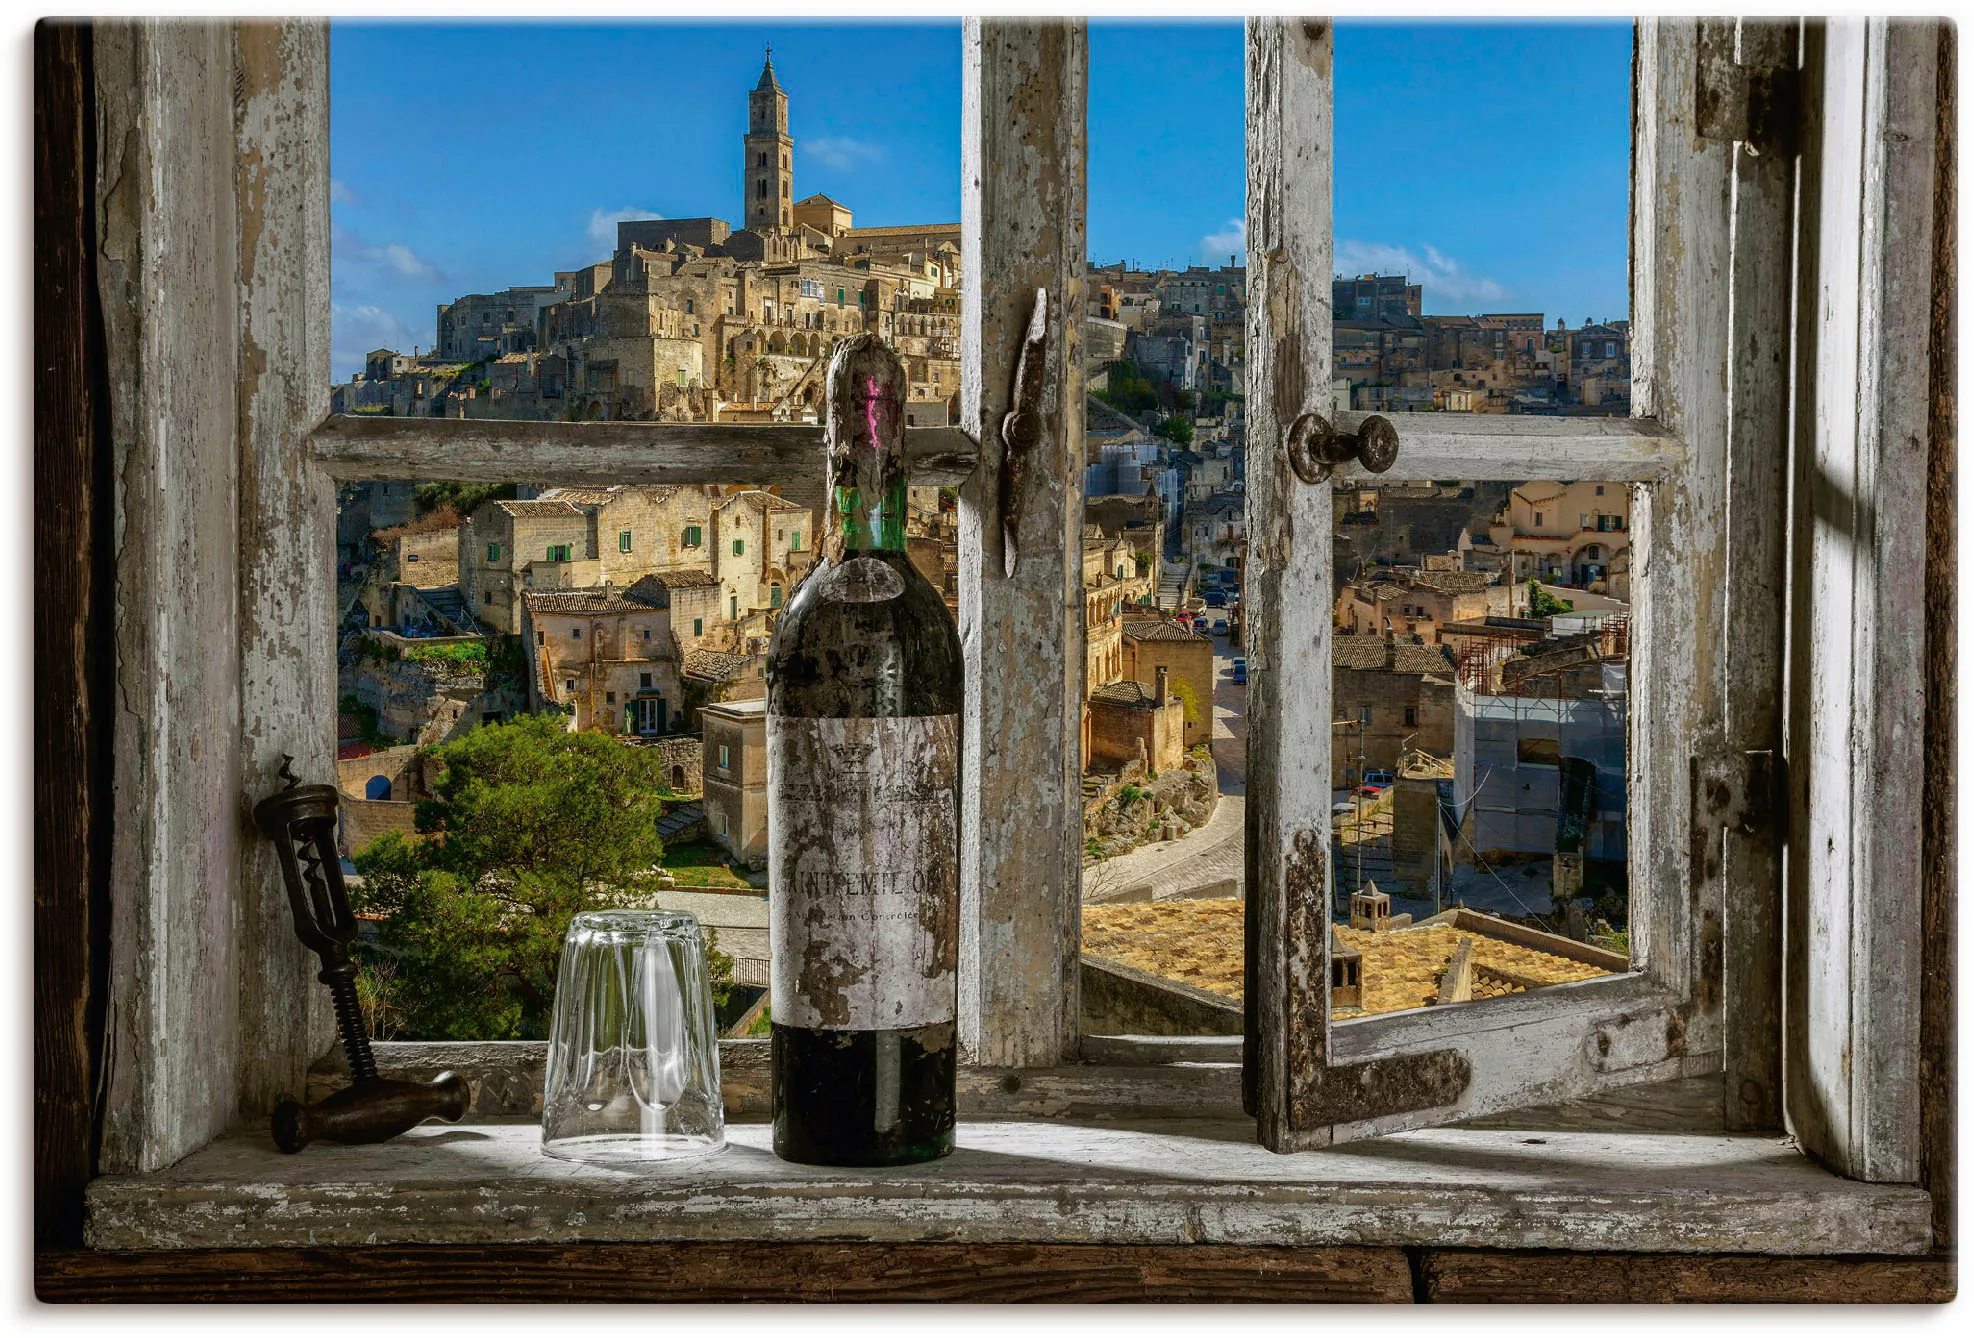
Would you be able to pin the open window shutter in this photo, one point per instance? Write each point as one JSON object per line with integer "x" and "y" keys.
{"x": 1868, "y": 325}
{"x": 1310, "y": 1083}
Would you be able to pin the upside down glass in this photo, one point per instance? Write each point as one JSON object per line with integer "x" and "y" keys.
{"x": 633, "y": 1057}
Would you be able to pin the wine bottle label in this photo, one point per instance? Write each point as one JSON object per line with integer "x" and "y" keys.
{"x": 863, "y": 871}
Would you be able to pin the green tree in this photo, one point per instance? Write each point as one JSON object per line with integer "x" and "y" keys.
{"x": 1541, "y": 604}
{"x": 1175, "y": 427}
{"x": 1127, "y": 388}
{"x": 461, "y": 497}
{"x": 527, "y": 825}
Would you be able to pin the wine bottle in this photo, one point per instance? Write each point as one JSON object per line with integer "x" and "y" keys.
{"x": 864, "y": 678}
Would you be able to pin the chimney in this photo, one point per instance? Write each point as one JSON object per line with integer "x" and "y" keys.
{"x": 1160, "y": 689}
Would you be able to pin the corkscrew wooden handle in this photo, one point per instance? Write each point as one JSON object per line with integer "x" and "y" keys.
{"x": 371, "y": 1111}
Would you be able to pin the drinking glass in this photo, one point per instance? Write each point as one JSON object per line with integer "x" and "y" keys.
{"x": 633, "y": 1059}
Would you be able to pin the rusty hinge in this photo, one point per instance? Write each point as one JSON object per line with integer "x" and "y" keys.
{"x": 1758, "y": 107}
{"x": 1741, "y": 791}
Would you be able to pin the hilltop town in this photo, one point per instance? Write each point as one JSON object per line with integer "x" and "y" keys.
{"x": 1479, "y": 661}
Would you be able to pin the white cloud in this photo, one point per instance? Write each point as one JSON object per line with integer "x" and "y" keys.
{"x": 340, "y": 193}
{"x": 1443, "y": 277}
{"x": 842, "y": 152}
{"x": 392, "y": 258}
{"x": 1229, "y": 241}
{"x": 355, "y": 329}
{"x": 603, "y": 223}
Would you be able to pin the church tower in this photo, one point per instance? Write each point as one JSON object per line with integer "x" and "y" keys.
{"x": 769, "y": 175}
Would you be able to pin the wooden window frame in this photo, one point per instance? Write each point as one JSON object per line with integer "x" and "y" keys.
{"x": 212, "y": 1007}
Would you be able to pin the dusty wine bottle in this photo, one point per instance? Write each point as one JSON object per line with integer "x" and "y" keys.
{"x": 864, "y": 679}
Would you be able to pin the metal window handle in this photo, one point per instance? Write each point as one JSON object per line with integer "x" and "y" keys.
{"x": 1315, "y": 448}
{"x": 1022, "y": 427}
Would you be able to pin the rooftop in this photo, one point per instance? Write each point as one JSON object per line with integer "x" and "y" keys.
{"x": 717, "y": 666}
{"x": 1369, "y": 652}
{"x": 1128, "y": 693}
{"x": 1158, "y": 629}
{"x": 641, "y": 597}
{"x": 681, "y": 579}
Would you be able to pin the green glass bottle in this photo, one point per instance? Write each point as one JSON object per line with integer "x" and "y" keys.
{"x": 864, "y": 682}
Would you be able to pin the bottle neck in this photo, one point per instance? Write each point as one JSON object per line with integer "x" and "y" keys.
{"x": 871, "y": 519}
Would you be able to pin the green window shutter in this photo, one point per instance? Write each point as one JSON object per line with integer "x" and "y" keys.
{"x": 493, "y": 552}
{"x": 698, "y": 626}
{"x": 739, "y": 547}
{"x": 774, "y": 596}
{"x": 623, "y": 541}
{"x": 795, "y": 539}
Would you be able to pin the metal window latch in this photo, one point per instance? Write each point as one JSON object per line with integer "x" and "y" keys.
{"x": 1756, "y": 106}
{"x": 1022, "y": 428}
{"x": 1315, "y": 448}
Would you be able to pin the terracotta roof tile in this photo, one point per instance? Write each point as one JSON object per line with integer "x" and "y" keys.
{"x": 717, "y": 666}
{"x": 1127, "y": 693}
{"x": 1158, "y": 629}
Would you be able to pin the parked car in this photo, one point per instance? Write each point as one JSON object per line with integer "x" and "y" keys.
{"x": 1343, "y": 809}
{"x": 1381, "y": 779}
{"x": 1240, "y": 671}
{"x": 1220, "y": 627}
{"x": 1216, "y": 599}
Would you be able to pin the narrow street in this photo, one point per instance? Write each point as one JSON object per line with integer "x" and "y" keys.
{"x": 1205, "y": 862}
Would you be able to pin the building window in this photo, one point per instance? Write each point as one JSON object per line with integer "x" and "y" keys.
{"x": 1538, "y": 520}
{"x": 609, "y": 699}
{"x": 688, "y": 306}
{"x": 493, "y": 552}
{"x": 623, "y": 541}
{"x": 774, "y": 596}
{"x": 693, "y": 536}
{"x": 733, "y": 608}
{"x": 644, "y": 680}
{"x": 568, "y": 685}
{"x": 698, "y": 626}
{"x": 486, "y": 597}
{"x": 576, "y": 633}
{"x": 724, "y": 763}
{"x": 795, "y": 538}
{"x": 647, "y": 634}
{"x": 739, "y": 547}
{"x": 558, "y": 552}
{"x": 1363, "y": 715}
{"x": 1411, "y": 715}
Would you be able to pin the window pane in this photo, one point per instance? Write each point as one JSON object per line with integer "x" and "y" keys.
{"x": 503, "y": 659}
{"x": 1165, "y": 719}
{"x": 1478, "y": 763}
{"x": 1464, "y": 286}
{"x": 687, "y": 292}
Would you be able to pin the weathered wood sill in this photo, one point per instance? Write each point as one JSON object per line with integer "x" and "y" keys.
{"x": 1135, "y": 1182}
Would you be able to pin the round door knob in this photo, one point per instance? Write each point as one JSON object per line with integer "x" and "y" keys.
{"x": 1314, "y": 448}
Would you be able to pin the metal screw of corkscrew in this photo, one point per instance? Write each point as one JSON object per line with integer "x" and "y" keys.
{"x": 301, "y": 821}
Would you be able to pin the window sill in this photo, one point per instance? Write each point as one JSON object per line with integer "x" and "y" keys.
{"x": 1136, "y": 1181}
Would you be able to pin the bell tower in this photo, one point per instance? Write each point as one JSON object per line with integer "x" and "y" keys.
{"x": 768, "y": 175}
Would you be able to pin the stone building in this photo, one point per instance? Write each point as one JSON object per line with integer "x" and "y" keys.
{"x": 1134, "y": 722}
{"x": 1576, "y": 534}
{"x": 1388, "y": 697}
{"x": 605, "y": 654}
{"x": 734, "y": 767}
{"x": 1159, "y": 646}
{"x": 1415, "y": 604}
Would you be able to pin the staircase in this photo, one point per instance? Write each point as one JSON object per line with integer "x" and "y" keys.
{"x": 1171, "y": 584}
{"x": 448, "y": 605}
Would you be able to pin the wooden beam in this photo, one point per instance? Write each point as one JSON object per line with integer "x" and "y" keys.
{"x": 1288, "y": 578}
{"x": 1681, "y": 636}
{"x": 1022, "y": 208}
{"x": 166, "y": 210}
{"x": 360, "y": 447}
{"x": 1852, "y": 1051}
{"x": 72, "y": 653}
{"x": 1521, "y": 447}
{"x": 739, "y": 1271}
{"x": 287, "y": 509}
{"x": 1760, "y": 309}
{"x": 1939, "y": 1075}
{"x": 1471, "y": 1277}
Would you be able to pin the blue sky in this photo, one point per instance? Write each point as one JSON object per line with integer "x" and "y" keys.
{"x": 1488, "y": 161}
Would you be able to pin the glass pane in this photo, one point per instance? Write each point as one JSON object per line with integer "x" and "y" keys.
{"x": 504, "y": 659}
{"x": 1165, "y": 720}
{"x": 1478, "y": 753}
{"x": 1482, "y": 217}
{"x": 723, "y": 216}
